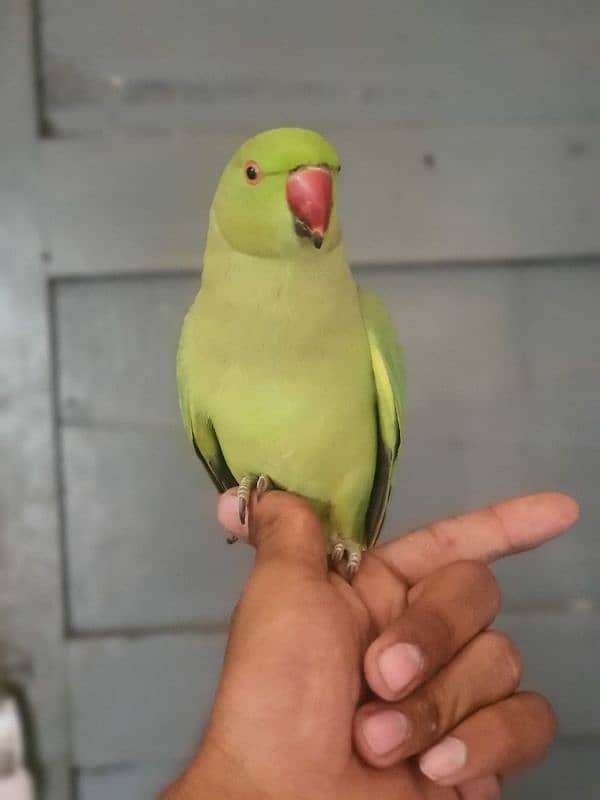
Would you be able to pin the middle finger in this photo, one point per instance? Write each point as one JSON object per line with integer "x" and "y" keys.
{"x": 446, "y": 610}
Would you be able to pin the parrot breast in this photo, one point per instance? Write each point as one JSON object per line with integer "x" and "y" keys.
{"x": 283, "y": 372}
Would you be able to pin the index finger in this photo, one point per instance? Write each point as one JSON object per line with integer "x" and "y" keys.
{"x": 484, "y": 535}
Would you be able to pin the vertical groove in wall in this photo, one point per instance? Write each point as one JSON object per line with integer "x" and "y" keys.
{"x": 59, "y": 455}
{"x": 74, "y": 783}
{"x": 43, "y": 126}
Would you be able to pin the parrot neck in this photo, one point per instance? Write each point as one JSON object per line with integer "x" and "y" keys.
{"x": 304, "y": 276}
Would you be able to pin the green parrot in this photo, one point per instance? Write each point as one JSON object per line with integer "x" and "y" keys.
{"x": 289, "y": 375}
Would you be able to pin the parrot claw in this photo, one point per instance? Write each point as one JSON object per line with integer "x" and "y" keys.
{"x": 232, "y": 539}
{"x": 248, "y": 484}
{"x": 337, "y": 552}
{"x": 245, "y": 488}
{"x": 263, "y": 484}
{"x": 354, "y": 560}
{"x": 348, "y": 550}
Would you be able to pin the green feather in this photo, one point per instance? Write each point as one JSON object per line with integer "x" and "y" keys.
{"x": 197, "y": 426}
{"x": 388, "y": 372}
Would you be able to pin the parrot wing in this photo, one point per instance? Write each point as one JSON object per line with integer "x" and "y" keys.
{"x": 388, "y": 373}
{"x": 197, "y": 425}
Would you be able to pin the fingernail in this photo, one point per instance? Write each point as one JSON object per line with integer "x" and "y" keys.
{"x": 385, "y": 731}
{"x": 444, "y": 759}
{"x": 399, "y": 665}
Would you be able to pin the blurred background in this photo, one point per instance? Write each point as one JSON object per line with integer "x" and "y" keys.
{"x": 470, "y": 138}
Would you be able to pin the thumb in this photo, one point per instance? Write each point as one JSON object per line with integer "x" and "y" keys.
{"x": 284, "y": 529}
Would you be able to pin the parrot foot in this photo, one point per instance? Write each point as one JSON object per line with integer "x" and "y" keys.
{"x": 353, "y": 559}
{"x": 251, "y": 483}
{"x": 348, "y": 549}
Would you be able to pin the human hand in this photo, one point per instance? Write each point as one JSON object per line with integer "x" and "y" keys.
{"x": 295, "y": 718}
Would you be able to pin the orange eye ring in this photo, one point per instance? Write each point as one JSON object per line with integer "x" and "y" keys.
{"x": 252, "y": 173}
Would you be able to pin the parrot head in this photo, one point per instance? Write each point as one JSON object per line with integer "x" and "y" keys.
{"x": 276, "y": 196}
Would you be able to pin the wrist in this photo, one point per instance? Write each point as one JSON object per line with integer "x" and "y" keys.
{"x": 199, "y": 781}
{"x": 213, "y": 776}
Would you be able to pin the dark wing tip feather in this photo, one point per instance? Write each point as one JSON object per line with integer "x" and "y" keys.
{"x": 382, "y": 488}
{"x": 217, "y": 468}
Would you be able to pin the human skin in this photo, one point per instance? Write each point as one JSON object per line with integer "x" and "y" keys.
{"x": 321, "y": 680}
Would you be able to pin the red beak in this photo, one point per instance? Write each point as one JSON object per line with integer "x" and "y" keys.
{"x": 310, "y": 197}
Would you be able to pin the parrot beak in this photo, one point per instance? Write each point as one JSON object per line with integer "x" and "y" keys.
{"x": 310, "y": 198}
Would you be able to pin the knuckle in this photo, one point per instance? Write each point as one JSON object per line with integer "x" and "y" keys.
{"x": 430, "y": 716}
{"x": 495, "y": 593}
{"x": 269, "y": 515}
{"x": 478, "y": 580}
{"x": 278, "y": 512}
{"x": 302, "y": 512}
{"x": 300, "y": 518}
{"x": 506, "y": 656}
{"x": 502, "y": 725}
{"x": 438, "y": 542}
{"x": 524, "y": 727}
{"x": 543, "y": 711}
{"x": 478, "y": 574}
{"x": 440, "y": 634}
{"x": 486, "y": 580}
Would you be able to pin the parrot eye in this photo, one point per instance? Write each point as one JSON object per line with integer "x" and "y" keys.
{"x": 252, "y": 171}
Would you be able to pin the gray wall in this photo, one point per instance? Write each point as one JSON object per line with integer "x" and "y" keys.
{"x": 150, "y": 66}
{"x": 471, "y": 139}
